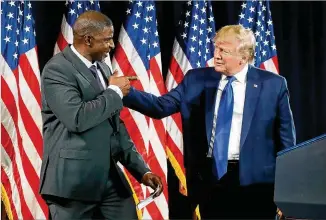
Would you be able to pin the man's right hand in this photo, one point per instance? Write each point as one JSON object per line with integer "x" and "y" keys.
{"x": 121, "y": 81}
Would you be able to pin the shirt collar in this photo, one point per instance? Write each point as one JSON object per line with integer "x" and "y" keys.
{"x": 83, "y": 59}
{"x": 240, "y": 76}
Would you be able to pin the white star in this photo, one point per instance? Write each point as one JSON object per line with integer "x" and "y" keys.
{"x": 244, "y": 5}
{"x": 7, "y": 39}
{"x": 193, "y": 38}
{"x": 156, "y": 33}
{"x": 241, "y": 16}
{"x": 128, "y": 11}
{"x": 147, "y": 19}
{"x": 252, "y": 9}
{"x": 270, "y": 22}
{"x": 198, "y": 64}
{"x": 8, "y": 27}
{"x": 211, "y": 19}
{"x": 155, "y": 44}
{"x": 192, "y": 49}
{"x": 194, "y": 27}
{"x": 143, "y": 41}
{"x": 259, "y": 13}
{"x": 16, "y": 43}
{"x": 187, "y": 13}
{"x": 34, "y": 33}
{"x": 137, "y": 14}
{"x": 145, "y": 30}
{"x": 202, "y": 21}
{"x": 150, "y": 8}
{"x": 29, "y": 17}
{"x": 18, "y": 20}
{"x": 264, "y": 53}
{"x": 189, "y": 3}
{"x": 207, "y": 40}
{"x": 184, "y": 35}
{"x": 205, "y": 57}
{"x": 197, "y": 5}
{"x": 27, "y": 29}
{"x": 268, "y": 33}
{"x": 258, "y": 23}
{"x": 86, "y": 8}
{"x": 200, "y": 42}
{"x": 257, "y": 33}
{"x": 264, "y": 8}
{"x": 135, "y": 25}
{"x": 273, "y": 47}
{"x": 207, "y": 50}
{"x": 203, "y": 10}
{"x": 150, "y": 18}
{"x": 199, "y": 53}
{"x": 15, "y": 55}
{"x": 209, "y": 29}
{"x": 72, "y": 11}
{"x": 17, "y": 31}
{"x": 140, "y": 4}
{"x": 186, "y": 24}
{"x": 91, "y": 1}
{"x": 201, "y": 32}
{"x": 12, "y": 3}
{"x": 79, "y": 5}
{"x": 249, "y": 19}
{"x": 196, "y": 17}
{"x": 265, "y": 42}
{"x": 262, "y": 28}
{"x": 10, "y": 15}
{"x": 25, "y": 41}
{"x": 29, "y": 5}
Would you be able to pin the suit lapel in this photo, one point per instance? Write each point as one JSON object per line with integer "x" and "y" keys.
{"x": 106, "y": 72}
{"x": 210, "y": 100}
{"x": 81, "y": 67}
{"x": 253, "y": 89}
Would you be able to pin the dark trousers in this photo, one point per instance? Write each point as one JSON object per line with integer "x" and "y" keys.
{"x": 226, "y": 199}
{"x": 115, "y": 204}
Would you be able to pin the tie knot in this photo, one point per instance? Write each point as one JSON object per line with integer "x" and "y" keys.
{"x": 230, "y": 79}
{"x": 93, "y": 69}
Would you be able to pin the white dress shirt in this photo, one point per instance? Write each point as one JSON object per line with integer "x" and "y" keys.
{"x": 239, "y": 92}
{"x": 89, "y": 64}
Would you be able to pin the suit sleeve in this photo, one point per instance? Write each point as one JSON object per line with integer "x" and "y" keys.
{"x": 63, "y": 97}
{"x": 128, "y": 155}
{"x": 153, "y": 106}
{"x": 286, "y": 127}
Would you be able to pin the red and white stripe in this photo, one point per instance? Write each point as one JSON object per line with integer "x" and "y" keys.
{"x": 147, "y": 134}
{"x": 271, "y": 65}
{"x": 21, "y": 137}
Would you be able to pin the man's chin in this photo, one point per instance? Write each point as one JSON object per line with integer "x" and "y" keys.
{"x": 219, "y": 69}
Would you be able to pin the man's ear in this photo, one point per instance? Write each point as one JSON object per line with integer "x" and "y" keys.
{"x": 88, "y": 40}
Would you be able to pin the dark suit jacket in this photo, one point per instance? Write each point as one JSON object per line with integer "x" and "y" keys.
{"x": 267, "y": 125}
{"x": 82, "y": 132}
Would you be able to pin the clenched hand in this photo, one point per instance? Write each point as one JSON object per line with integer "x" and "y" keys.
{"x": 153, "y": 181}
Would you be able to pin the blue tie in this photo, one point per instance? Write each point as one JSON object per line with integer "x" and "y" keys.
{"x": 222, "y": 130}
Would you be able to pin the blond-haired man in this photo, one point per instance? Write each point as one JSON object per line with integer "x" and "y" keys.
{"x": 235, "y": 117}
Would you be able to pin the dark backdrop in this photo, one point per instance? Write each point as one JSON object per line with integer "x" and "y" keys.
{"x": 300, "y": 33}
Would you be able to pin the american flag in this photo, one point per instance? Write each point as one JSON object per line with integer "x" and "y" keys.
{"x": 21, "y": 122}
{"x": 138, "y": 54}
{"x": 193, "y": 48}
{"x": 74, "y": 9}
{"x": 257, "y": 16}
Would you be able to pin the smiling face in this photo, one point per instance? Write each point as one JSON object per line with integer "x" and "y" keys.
{"x": 100, "y": 44}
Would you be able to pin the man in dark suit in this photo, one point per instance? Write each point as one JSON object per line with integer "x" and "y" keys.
{"x": 84, "y": 137}
{"x": 235, "y": 117}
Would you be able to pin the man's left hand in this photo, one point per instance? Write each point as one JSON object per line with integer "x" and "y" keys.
{"x": 153, "y": 181}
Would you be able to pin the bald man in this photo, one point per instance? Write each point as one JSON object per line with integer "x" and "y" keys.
{"x": 84, "y": 137}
